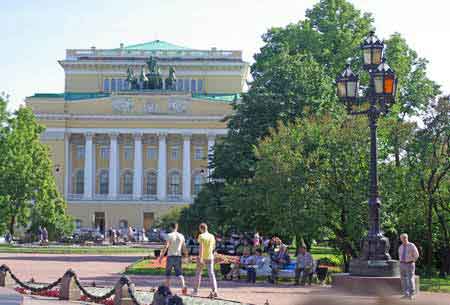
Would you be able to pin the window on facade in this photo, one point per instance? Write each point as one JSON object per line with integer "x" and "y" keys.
{"x": 119, "y": 84}
{"x": 104, "y": 152}
{"x": 200, "y": 85}
{"x": 198, "y": 153}
{"x": 78, "y": 224}
{"x": 174, "y": 184}
{"x": 106, "y": 86}
{"x": 193, "y": 85}
{"x": 128, "y": 153}
{"x": 186, "y": 85}
{"x": 128, "y": 183}
{"x": 126, "y": 85}
{"x": 113, "y": 84}
{"x": 79, "y": 182}
{"x": 151, "y": 153}
{"x": 104, "y": 181}
{"x": 179, "y": 84}
{"x": 175, "y": 153}
{"x": 80, "y": 152}
{"x": 198, "y": 181}
{"x": 150, "y": 184}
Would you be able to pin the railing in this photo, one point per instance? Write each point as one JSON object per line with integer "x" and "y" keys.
{"x": 130, "y": 197}
{"x": 69, "y": 287}
{"x": 186, "y": 54}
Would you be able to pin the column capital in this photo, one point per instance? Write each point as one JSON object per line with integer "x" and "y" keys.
{"x": 162, "y": 134}
{"x": 211, "y": 136}
{"x": 114, "y": 135}
{"x": 138, "y": 135}
{"x": 88, "y": 135}
{"x": 187, "y": 135}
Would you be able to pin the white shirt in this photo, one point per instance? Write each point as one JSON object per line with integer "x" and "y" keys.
{"x": 176, "y": 243}
{"x": 411, "y": 254}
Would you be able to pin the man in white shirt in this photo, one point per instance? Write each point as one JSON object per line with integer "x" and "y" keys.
{"x": 175, "y": 248}
{"x": 408, "y": 255}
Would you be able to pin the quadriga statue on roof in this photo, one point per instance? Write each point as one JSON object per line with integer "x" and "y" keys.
{"x": 171, "y": 79}
{"x": 154, "y": 80}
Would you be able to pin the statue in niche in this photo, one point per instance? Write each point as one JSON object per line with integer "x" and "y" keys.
{"x": 171, "y": 80}
{"x": 151, "y": 107}
{"x": 132, "y": 79}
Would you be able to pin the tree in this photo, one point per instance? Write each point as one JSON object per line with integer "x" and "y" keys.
{"x": 292, "y": 76}
{"x": 28, "y": 192}
{"x": 429, "y": 161}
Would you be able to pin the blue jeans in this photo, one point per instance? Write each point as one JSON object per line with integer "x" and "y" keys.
{"x": 407, "y": 272}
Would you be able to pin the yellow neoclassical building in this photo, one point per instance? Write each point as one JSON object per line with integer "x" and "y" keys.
{"x": 124, "y": 152}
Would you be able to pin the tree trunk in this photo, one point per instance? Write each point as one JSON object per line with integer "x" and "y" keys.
{"x": 429, "y": 256}
{"x": 12, "y": 223}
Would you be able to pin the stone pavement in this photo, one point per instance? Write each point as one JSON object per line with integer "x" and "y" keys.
{"x": 106, "y": 270}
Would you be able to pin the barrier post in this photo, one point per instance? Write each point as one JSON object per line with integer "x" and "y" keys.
{"x": 68, "y": 289}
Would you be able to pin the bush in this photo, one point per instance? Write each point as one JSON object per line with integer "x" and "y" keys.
{"x": 330, "y": 261}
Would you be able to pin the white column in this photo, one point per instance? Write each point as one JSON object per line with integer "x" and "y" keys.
{"x": 187, "y": 167}
{"x": 211, "y": 143}
{"x": 138, "y": 166}
{"x": 88, "y": 166}
{"x": 163, "y": 82}
{"x": 162, "y": 167}
{"x": 113, "y": 165}
{"x": 67, "y": 165}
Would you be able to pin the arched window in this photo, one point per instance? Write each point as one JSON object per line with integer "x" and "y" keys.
{"x": 174, "y": 183}
{"x": 200, "y": 85}
{"x": 198, "y": 182}
{"x": 79, "y": 182}
{"x": 193, "y": 85}
{"x": 104, "y": 181}
{"x": 150, "y": 183}
{"x": 113, "y": 84}
{"x": 128, "y": 182}
{"x": 106, "y": 86}
{"x": 119, "y": 84}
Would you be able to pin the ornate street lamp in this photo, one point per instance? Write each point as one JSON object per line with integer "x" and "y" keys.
{"x": 380, "y": 95}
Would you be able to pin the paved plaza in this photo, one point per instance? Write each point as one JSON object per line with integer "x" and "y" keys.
{"x": 106, "y": 270}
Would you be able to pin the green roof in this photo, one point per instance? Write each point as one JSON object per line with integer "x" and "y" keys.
{"x": 217, "y": 97}
{"x": 155, "y": 45}
{"x": 47, "y": 95}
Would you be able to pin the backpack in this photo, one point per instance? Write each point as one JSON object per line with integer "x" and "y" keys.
{"x": 175, "y": 300}
{"x": 162, "y": 296}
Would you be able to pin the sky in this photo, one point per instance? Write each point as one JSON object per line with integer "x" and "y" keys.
{"x": 36, "y": 33}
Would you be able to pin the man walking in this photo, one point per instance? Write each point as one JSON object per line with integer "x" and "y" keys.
{"x": 206, "y": 257}
{"x": 175, "y": 247}
{"x": 305, "y": 265}
{"x": 408, "y": 255}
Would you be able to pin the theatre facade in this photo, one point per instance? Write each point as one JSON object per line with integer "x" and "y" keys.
{"x": 131, "y": 133}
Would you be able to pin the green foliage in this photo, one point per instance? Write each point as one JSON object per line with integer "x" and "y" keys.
{"x": 172, "y": 216}
{"x": 28, "y": 192}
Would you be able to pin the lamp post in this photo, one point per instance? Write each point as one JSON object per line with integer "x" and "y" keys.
{"x": 379, "y": 96}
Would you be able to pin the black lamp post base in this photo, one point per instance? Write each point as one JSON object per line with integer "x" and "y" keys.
{"x": 375, "y": 259}
{"x": 379, "y": 268}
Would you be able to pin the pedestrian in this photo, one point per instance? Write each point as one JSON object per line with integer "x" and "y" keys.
{"x": 254, "y": 263}
{"x": 408, "y": 255}
{"x": 40, "y": 234}
{"x": 45, "y": 235}
{"x": 175, "y": 247}
{"x": 279, "y": 260}
{"x": 207, "y": 244}
{"x": 305, "y": 265}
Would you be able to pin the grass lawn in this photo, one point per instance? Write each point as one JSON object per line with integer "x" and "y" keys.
{"x": 76, "y": 250}
{"x": 144, "y": 267}
{"x": 435, "y": 284}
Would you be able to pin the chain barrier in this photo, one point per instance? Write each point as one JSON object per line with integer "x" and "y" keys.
{"x": 91, "y": 296}
{"x": 124, "y": 280}
{"x": 34, "y": 289}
